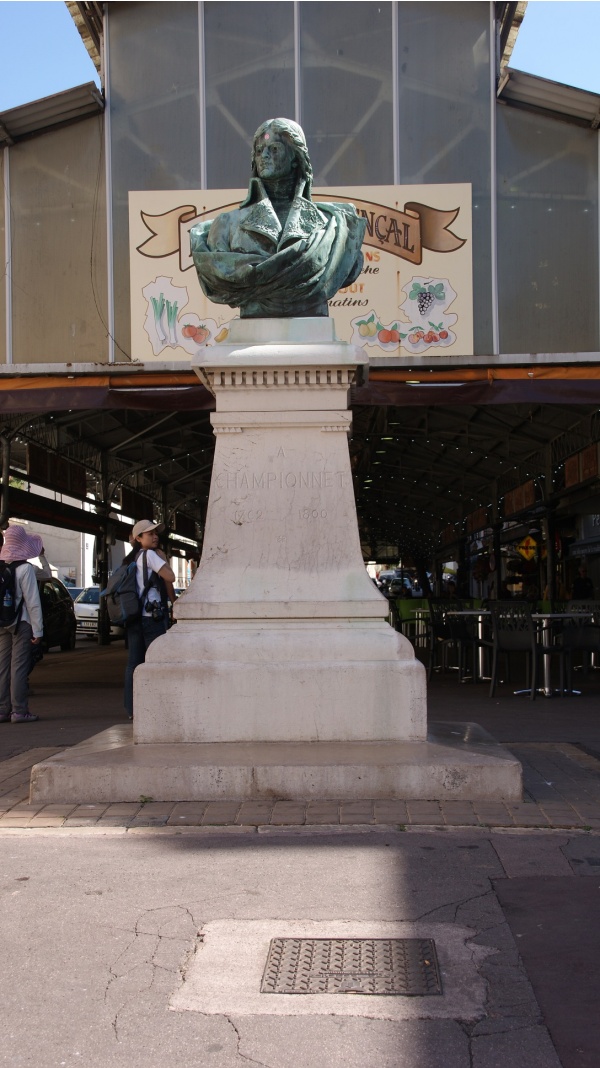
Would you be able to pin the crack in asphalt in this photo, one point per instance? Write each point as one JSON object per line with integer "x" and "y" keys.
{"x": 456, "y": 905}
{"x": 156, "y": 939}
{"x": 250, "y": 1060}
{"x": 467, "y": 1031}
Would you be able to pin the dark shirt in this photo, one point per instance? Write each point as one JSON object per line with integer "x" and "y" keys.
{"x": 583, "y": 588}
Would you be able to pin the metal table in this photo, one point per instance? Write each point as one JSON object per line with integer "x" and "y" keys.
{"x": 545, "y": 618}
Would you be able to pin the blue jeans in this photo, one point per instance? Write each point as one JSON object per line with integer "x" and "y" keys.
{"x": 140, "y": 635}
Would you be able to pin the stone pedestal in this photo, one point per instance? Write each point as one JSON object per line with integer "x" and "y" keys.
{"x": 282, "y": 635}
{"x": 282, "y": 677}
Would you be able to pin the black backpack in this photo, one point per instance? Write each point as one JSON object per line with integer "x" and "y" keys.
{"x": 123, "y": 603}
{"x": 10, "y": 614}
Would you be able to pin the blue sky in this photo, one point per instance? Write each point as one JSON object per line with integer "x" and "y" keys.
{"x": 41, "y": 52}
{"x": 560, "y": 41}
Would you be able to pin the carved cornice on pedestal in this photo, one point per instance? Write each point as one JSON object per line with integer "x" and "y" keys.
{"x": 319, "y": 377}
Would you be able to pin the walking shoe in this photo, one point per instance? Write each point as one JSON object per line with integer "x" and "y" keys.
{"x": 5, "y": 719}
{"x": 23, "y": 717}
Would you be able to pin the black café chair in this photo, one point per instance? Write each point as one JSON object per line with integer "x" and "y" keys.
{"x": 440, "y": 634}
{"x": 581, "y": 632}
{"x": 514, "y": 631}
{"x": 464, "y": 632}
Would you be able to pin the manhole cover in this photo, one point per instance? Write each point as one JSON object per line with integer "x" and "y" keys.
{"x": 405, "y": 966}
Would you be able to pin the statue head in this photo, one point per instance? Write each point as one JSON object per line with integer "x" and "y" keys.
{"x": 286, "y": 270}
{"x": 291, "y": 135}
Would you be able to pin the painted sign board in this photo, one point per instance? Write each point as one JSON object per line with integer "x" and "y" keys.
{"x": 414, "y": 296}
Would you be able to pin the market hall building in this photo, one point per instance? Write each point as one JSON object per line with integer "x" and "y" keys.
{"x": 476, "y": 432}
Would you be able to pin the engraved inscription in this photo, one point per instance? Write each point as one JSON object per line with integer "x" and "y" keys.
{"x": 249, "y": 515}
{"x": 270, "y": 480}
{"x": 312, "y": 513}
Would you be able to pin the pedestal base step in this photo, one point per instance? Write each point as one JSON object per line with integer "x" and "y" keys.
{"x": 459, "y": 761}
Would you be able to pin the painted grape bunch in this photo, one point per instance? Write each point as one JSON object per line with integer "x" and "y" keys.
{"x": 426, "y": 295}
{"x": 424, "y": 302}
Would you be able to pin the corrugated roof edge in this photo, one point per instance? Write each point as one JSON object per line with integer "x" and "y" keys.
{"x": 58, "y": 110}
{"x": 528, "y": 90}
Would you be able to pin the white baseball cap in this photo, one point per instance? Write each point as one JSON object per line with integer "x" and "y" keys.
{"x": 145, "y": 526}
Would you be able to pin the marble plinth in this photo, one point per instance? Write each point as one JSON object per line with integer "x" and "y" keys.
{"x": 288, "y": 680}
{"x": 282, "y": 636}
{"x": 282, "y": 677}
{"x": 457, "y": 761}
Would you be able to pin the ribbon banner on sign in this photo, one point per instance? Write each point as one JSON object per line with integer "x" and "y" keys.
{"x": 404, "y": 233}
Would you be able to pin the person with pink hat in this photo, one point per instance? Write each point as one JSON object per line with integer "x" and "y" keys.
{"x": 17, "y": 640}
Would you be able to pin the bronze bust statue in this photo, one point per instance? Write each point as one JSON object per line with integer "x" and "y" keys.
{"x": 279, "y": 254}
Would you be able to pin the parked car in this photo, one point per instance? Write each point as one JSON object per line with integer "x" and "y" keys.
{"x": 384, "y": 579}
{"x": 399, "y": 583}
{"x": 74, "y": 591}
{"x": 87, "y": 606}
{"x": 401, "y": 587}
{"x": 58, "y": 614}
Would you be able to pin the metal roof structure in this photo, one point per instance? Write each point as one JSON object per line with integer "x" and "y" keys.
{"x": 49, "y": 113}
{"x": 539, "y": 94}
{"x": 417, "y": 467}
{"x": 421, "y": 469}
{"x": 87, "y": 17}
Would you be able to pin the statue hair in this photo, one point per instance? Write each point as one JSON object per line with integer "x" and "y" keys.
{"x": 293, "y": 134}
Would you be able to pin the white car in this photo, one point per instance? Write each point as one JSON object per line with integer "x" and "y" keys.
{"x": 87, "y": 606}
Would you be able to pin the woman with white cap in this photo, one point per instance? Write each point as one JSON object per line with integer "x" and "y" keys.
{"x": 154, "y": 585}
{"x": 17, "y": 641}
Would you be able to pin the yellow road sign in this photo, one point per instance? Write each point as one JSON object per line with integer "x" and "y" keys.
{"x": 527, "y": 548}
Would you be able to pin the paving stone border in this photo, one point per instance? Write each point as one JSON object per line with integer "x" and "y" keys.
{"x": 562, "y": 790}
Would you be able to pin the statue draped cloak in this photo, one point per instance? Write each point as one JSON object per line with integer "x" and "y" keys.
{"x": 245, "y": 258}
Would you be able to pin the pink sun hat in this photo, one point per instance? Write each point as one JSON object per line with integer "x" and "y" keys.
{"x": 19, "y": 545}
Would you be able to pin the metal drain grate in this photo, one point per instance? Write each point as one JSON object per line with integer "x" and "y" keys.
{"x": 406, "y": 966}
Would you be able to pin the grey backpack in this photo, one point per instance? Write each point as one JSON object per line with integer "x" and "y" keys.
{"x": 123, "y": 603}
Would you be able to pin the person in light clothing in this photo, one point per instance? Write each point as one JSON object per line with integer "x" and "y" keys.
{"x": 155, "y": 588}
{"x": 17, "y": 641}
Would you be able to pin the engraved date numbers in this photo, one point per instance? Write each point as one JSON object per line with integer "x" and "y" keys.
{"x": 246, "y": 515}
{"x": 312, "y": 513}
